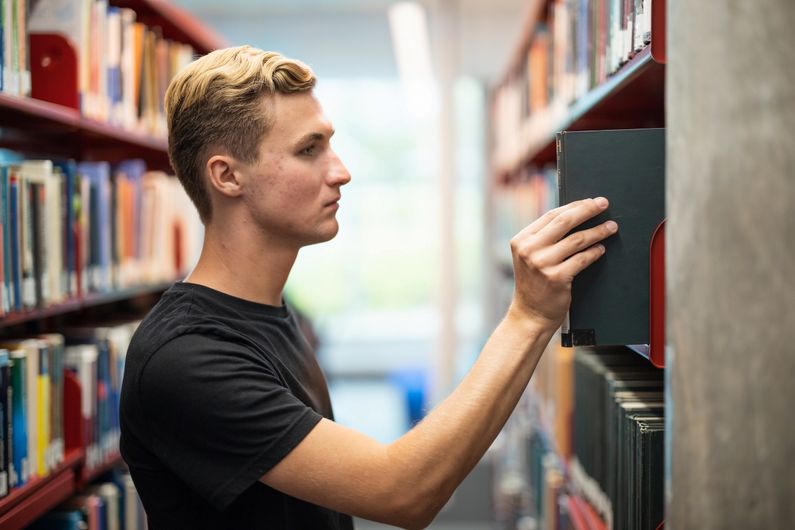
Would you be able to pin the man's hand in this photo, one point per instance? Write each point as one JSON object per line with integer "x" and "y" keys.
{"x": 545, "y": 262}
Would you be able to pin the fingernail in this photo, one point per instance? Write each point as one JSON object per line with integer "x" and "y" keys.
{"x": 601, "y": 201}
{"x": 601, "y": 248}
{"x": 611, "y": 226}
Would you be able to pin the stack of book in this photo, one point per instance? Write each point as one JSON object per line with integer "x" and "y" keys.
{"x": 74, "y": 228}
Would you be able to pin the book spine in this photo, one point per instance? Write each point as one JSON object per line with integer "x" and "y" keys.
{"x": 42, "y": 412}
{"x": 16, "y": 257}
{"x": 6, "y": 227}
{"x": 5, "y": 421}
{"x": 561, "y": 167}
{"x": 35, "y": 197}
{"x": 20, "y": 397}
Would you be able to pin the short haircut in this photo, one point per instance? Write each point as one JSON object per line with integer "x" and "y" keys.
{"x": 217, "y": 102}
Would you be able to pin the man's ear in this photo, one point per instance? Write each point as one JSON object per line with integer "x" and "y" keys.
{"x": 225, "y": 175}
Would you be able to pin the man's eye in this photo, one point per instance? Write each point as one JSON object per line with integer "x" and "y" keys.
{"x": 308, "y": 151}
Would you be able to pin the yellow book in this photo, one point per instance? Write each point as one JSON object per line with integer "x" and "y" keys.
{"x": 43, "y": 411}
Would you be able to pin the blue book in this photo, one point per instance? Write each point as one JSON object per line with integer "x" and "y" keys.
{"x": 5, "y": 421}
{"x": 70, "y": 209}
{"x": 16, "y": 269}
{"x": 7, "y": 159}
{"x": 98, "y": 175}
{"x": 61, "y": 520}
{"x": 20, "y": 469}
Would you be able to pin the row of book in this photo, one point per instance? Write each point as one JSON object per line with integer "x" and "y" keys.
{"x": 575, "y": 48}
{"x": 112, "y": 505}
{"x": 71, "y": 228}
{"x": 584, "y": 448}
{"x": 123, "y": 67}
{"x": 533, "y": 487}
{"x": 619, "y": 431}
{"x": 58, "y": 393}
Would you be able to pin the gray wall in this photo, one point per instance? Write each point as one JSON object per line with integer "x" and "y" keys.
{"x": 731, "y": 263}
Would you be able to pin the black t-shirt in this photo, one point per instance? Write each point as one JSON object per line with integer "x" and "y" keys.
{"x": 217, "y": 390}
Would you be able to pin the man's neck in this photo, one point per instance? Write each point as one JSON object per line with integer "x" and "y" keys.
{"x": 249, "y": 266}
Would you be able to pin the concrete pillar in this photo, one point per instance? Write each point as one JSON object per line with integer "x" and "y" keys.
{"x": 731, "y": 264}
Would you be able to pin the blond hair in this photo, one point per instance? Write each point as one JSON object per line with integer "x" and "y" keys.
{"x": 217, "y": 102}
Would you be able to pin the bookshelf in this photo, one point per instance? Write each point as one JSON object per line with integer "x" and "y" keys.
{"x": 49, "y": 129}
{"x": 561, "y": 77}
{"x": 41, "y": 129}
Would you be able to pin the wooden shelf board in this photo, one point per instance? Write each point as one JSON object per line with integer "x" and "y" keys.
{"x": 24, "y": 505}
{"x": 76, "y": 304}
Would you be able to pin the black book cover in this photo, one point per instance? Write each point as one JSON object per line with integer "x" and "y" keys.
{"x": 610, "y": 299}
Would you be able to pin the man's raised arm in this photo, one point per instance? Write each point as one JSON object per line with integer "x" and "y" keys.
{"x": 407, "y": 482}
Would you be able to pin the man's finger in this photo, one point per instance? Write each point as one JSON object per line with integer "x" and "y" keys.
{"x": 578, "y": 262}
{"x": 547, "y": 218}
{"x": 576, "y": 242}
{"x": 570, "y": 219}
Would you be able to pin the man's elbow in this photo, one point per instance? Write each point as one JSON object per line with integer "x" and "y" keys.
{"x": 415, "y": 509}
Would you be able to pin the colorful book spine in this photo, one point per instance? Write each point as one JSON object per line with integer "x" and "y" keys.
{"x": 21, "y": 465}
{"x": 5, "y": 421}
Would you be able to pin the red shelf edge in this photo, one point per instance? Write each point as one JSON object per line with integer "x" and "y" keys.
{"x": 75, "y": 304}
{"x": 72, "y": 119}
{"x": 25, "y": 504}
{"x": 202, "y": 37}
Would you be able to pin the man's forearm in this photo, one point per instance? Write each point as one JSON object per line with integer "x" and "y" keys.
{"x": 441, "y": 450}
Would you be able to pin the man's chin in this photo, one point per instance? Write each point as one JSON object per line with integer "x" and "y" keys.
{"x": 323, "y": 236}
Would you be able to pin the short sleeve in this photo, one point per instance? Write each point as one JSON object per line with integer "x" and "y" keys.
{"x": 219, "y": 415}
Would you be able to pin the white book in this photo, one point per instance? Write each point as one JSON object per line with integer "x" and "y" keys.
{"x": 40, "y": 172}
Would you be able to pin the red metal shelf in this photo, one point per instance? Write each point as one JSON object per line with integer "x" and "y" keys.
{"x": 176, "y": 23}
{"x": 76, "y": 304}
{"x": 45, "y": 128}
{"x": 24, "y": 505}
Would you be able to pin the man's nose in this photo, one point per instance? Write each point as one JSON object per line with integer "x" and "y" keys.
{"x": 338, "y": 175}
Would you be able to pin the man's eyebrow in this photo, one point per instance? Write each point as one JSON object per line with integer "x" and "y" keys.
{"x": 314, "y": 136}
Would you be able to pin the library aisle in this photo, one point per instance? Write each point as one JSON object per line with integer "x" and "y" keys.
{"x": 663, "y": 399}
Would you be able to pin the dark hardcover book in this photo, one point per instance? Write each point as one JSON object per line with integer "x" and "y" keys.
{"x": 16, "y": 228}
{"x": 69, "y": 221}
{"x": 610, "y": 299}
{"x": 37, "y": 207}
{"x": 5, "y": 226}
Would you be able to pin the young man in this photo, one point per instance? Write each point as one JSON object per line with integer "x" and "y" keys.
{"x": 226, "y": 420}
